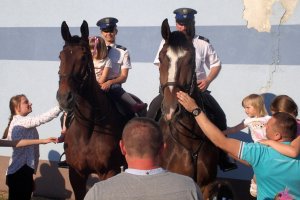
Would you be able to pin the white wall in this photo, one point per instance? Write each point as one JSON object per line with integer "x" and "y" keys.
{"x": 38, "y": 78}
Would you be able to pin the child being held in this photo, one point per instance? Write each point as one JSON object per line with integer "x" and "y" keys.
{"x": 105, "y": 72}
{"x": 257, "y": 119}
{"x": 284, "y": 103}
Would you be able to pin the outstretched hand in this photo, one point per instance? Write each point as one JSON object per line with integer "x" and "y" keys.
{"x": 49, "y": 140}
{"x": 186, "y": 101}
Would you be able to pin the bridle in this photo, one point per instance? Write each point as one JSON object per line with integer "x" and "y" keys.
{"x": 188, "y": 88}
{"x": 81, "y": 82}
{"x": 88, "y": 70}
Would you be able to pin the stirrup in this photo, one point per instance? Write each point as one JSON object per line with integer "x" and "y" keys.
{"x": 62, "y": 164}
{"x": 226, "y": 165}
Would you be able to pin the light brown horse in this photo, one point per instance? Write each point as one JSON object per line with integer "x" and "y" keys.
{"x": 92, "y": 138}
{"x": 188, "y": 151}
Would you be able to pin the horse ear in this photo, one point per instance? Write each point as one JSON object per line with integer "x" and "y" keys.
{"x": 84, "y": 30}
{"x": 165, "y": 29}
{"x": 65, "y": 32}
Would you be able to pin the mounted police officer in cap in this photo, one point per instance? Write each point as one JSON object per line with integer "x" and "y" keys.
{"x": 206, "y": 57}
{"x": 121, "y": 64}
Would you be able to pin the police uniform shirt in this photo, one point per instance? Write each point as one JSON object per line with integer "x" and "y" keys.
{"x": 120, "y": 59}
{"x": 206, "y": 56}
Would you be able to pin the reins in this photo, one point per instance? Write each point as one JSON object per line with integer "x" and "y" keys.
{"x": 176, "y": 120}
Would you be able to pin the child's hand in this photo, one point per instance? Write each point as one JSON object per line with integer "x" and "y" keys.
{"x": 106, "y": 85}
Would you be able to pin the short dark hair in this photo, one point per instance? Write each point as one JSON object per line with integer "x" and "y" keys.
{"x": 142, "y": 136}
{"x": 286, "y": 124}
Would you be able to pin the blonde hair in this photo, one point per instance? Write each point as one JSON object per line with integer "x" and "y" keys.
{"x": 14, "y": 102}
{"x": 284, "y": 103}
{"x": 98, "y": 46}
{"x": 257, "y": 101}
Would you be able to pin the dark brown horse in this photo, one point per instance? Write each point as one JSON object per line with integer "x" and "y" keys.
{"x": 188, "y": 151}
{"x": 92, "y": 138}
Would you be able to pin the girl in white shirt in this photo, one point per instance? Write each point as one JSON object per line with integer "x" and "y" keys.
{"x": 105, "y": 71}
{"x": 257, "y": 118}
{"x": 24, "y": 161}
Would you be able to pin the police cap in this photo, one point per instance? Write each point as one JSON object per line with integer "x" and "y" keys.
{"x": 184, "y": 15}
{"x": 107, "y": 24}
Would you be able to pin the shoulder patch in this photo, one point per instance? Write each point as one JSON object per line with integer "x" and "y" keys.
{"x": 121, "y": 47}
{"x": 203, "y": 38}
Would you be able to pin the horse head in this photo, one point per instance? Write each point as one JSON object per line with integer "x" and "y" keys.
{"x": 177, "y": 68}
{"x": 76, "y": 66}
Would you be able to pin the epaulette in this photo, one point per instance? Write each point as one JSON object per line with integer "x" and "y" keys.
{"x": 203, "y": 38}
{"x": 121, "y": 47}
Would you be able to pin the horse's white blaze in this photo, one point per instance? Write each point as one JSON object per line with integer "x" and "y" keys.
{"x": 174, "y": 57}
{"x": 172, "y": 71}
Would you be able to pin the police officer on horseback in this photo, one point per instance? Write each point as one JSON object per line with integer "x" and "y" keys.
{"x": 206, "y": 57}
{"x": 121, "y": 64}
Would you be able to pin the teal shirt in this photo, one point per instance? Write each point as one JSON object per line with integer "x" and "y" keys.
{"x": 274, "y": 172}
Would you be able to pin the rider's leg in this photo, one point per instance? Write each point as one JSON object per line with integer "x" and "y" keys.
{"x": 118, "y": 92}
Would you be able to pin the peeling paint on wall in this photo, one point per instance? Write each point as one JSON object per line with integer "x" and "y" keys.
{"x": 257, "y": 13}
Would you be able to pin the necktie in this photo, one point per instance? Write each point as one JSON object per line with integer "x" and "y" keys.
{"x": 108, "y": 49}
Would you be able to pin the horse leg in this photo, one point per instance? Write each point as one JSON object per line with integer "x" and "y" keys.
{"x": 78, "y": 183}
{"x": 207, "y": 170}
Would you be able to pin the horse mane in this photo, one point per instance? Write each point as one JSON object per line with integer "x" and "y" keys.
{"x": 178, "y": 40}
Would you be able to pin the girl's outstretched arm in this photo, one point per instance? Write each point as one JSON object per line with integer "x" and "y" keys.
{"x": 291, "y": 150}
{"x": 235, "y": 129}
{"x": 25, "y": 142}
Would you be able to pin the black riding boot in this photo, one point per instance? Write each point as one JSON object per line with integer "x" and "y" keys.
{"x": 224, "y": 162}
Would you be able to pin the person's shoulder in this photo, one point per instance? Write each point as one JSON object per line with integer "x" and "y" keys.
{"x": 121, "y": 47}
{"x": 201, "y": 38}
{"x": 110, "y": 181}
{"x": 179, "y": 177}
{"x": 256, "y": 148}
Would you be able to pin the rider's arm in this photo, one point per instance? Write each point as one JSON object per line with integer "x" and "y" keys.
{"x": 204, "y": 84}
{"x": 104, "y": 75}
{"x": 120, "y": 79}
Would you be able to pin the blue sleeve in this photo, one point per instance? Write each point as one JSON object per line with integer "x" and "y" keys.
{"x": 251, "y": 152}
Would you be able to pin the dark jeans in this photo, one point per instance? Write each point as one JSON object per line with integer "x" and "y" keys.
{"x": 116, "y": 91}
{"x": 20, "y": 184}
{"x": 213, "y": 110}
